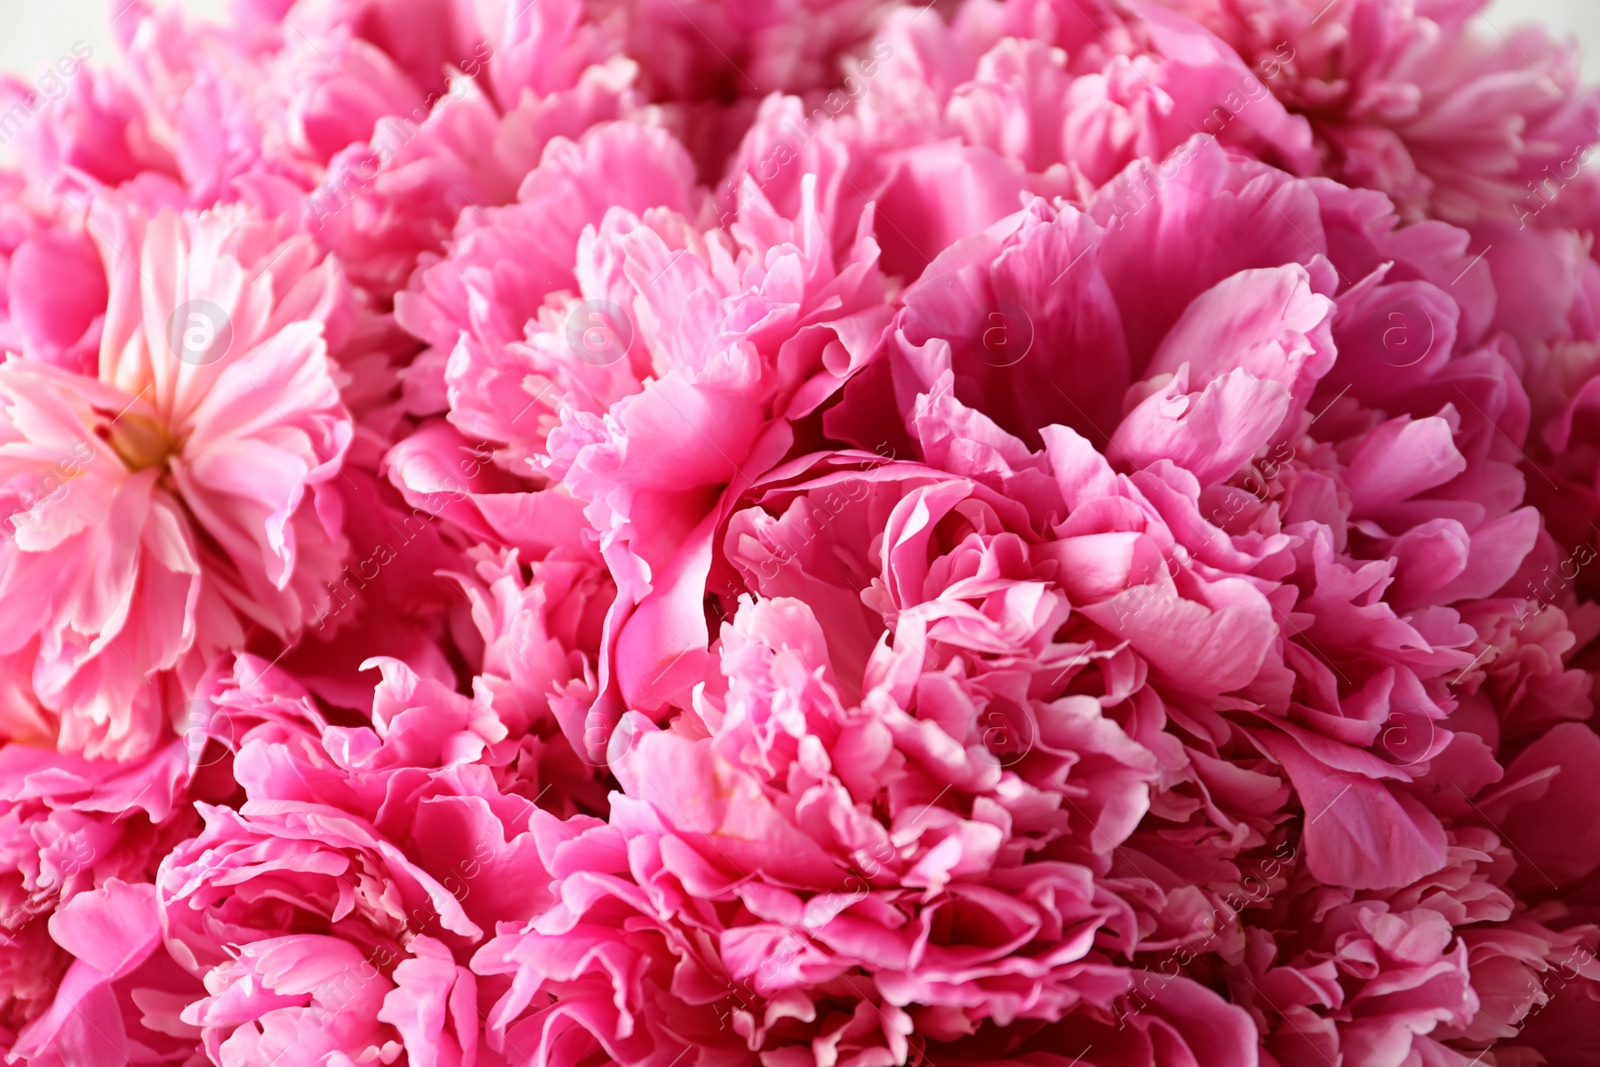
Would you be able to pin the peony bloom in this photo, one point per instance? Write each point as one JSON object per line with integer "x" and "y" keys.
{"x": 323, "y": 914}
{"x": 587, "y": 360}
{"x": 1444, "y": 969}
{"x": 811, "y": 533}
{"x": 480, "y": 91}
{"x": 72, "y": 827}
{"x": 119, "y": 1000}
{"x": 1244, "y": 483}
{"x": 902, "y": 796}
{"x": 944, "y": 126}
{"x": 1451, "y": 118}
{"x": 175, "y": 503}
{"x": 542, "y": 626}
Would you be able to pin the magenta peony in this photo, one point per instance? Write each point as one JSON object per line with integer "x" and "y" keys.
{"x": 817, "y": 533}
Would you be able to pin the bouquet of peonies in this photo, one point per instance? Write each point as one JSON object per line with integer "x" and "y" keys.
{"x": 801, "y": 533}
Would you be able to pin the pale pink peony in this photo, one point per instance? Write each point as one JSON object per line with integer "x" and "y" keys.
{"x": 1448, "y": 115}
{"x": 177, "y": 502}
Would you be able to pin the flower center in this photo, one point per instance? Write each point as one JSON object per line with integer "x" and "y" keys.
{"x": 140, "y": 441}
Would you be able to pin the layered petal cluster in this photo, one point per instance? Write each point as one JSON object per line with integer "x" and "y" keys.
{"x": 1450, "y": 116}
{"x": 813, "y": 533}
{"x": 74, "y": 829}
{"x": 886, "y": 825}
{"x": 632, "y": 367}
{"x": 323, "y": 912}
{"x": 173, "y": 502}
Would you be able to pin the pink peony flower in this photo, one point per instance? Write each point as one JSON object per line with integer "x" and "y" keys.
{"x": 324, "y": 913}
{"x": 1051, "y": 533}
{"x": 72, "y": 827}
{"x": 892, "y": 815}
{"x": 658, "y": 328}
{"x": 175, "y": 503}
{"x": 1444, "y": 969}
{"x": 118, "y": 1002}
{"x": 1450, "y": 118}
{"x": 945, "y": 126}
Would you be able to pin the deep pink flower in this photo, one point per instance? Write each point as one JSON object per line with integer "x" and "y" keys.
{"x": 945, "y": 125}
{"x": 902, "y": 796}
{"x": 1442, "y": 969}
{"x": 800, "y": 533}
{"x": 119, "y": 1000}
{"x": 70, "y": 827}
{"x": 321, "y": 912}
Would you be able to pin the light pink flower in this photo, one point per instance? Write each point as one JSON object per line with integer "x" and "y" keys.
{"x": 479, "y": 307}
{"x": 494, "y": 83}
{"x": 175, "y": 503}
{"x": 1449, "y": 116}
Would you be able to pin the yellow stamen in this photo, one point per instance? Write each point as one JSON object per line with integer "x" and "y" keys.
{"x": 141, "y": 442}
